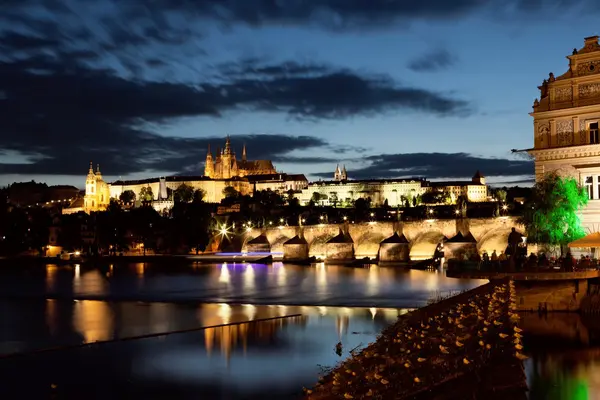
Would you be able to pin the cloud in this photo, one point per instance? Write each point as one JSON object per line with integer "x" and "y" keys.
{"x": 437, "y": 165}
{"x": 317, "y": 91}
{"x": 62, "y": 108}
{"x": 433, "y": 61}
{"x": 345, "y": 14}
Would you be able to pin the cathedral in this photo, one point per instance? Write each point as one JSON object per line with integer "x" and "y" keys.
{"x": 226, "y": 166}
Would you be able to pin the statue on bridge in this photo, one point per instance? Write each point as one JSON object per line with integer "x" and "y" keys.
{"x": 514, "y": 241}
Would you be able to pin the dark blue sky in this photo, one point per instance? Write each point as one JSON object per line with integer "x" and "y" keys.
{"x": 389, "y": 88}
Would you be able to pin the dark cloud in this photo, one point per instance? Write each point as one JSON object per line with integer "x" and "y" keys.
{"x": 344, "y": 14}
{"x": 73, "y": 85}
{"x": 433, "y": 61}
{"x": 61, "y": 110}
{"x": 436, "y": 165}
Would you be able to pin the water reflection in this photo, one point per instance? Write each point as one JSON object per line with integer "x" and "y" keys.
{"x": 93, "y": 320}
{"x": 233, "y": 283}
{"x": 565, "y": 357}
{"x": 267, "y": 359}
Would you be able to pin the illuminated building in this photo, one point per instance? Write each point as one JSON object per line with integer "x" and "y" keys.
{"x": 226, "y": 165}
{"x": 226, "y": 170}
{"x": 343, "y": 191}
{"x": 565, "y": 123}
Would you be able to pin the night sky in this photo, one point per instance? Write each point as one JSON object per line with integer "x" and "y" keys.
{"x": 404, "y": 88}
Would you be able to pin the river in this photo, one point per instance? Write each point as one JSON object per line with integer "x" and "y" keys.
{"x": 63, "y": 306}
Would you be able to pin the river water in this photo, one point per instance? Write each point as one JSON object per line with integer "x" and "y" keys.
{"x": 61, "y": 306}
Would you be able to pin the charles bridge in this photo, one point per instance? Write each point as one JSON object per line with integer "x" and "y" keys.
{"x": 387, "y": 241}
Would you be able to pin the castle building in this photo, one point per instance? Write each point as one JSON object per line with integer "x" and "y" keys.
{"x": 474, "y": 190}
{"x": 225, "y": 170}
{"x": 225, "y": 165}
{"x": 565, "y": 125}
{"x": 343, "y": 192}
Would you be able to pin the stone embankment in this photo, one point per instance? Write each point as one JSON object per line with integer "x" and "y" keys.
{"x": 467, "y": 346}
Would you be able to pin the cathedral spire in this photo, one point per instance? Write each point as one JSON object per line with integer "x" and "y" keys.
{"x": 209, "y": 166}
{"x": 227, "y": 146}
{"x": 244, "y": 152}
{"x": 91, "y": 170}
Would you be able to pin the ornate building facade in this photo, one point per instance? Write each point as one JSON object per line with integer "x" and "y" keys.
{"x": 97, "y": 192}
{"x": 565, "y": 121}
{"x": 225, "y": 165}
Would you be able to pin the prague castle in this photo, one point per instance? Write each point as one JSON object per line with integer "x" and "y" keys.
{"x": 226, "y": 165}
{"x": 565, "y": 125}
{"x": 225, "y": 171}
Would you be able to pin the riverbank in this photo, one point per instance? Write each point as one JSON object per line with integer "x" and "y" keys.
{"x": 446, "y": 350}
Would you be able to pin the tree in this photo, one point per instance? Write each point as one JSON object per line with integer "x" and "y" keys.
{"x": 230, "y": 193}
{"x": 550, "y": 216}
{"x": 199, "y": 195}
{"x": 316, "y": 197}
{"x": 334, "y": 199}
{"x": 146, "y": 194}
{"x": 127, "y": 196}
{"x": 183, "y": 194}
{"x": 500, "y": 195}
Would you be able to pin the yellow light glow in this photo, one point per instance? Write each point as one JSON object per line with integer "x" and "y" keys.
{"x": 248, "y": 229}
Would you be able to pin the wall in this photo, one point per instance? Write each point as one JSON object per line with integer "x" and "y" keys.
{"x": 554, "y": 295}
{"x": 339, "y": 252}
{"x": 213, "y": 189}
{"x": 424, "y": 236}
{"x": 351, "y": 190}
{"x": 297, "y": 251}
{"x": 394, "y": 252}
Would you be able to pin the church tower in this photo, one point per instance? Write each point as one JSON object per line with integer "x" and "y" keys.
{"x": 337, "y": 175}
{"x": 344, "y": 174}
{"x": 89, "y": 200}
{"x": 226, "y": 160}
{"x": 209, "y": 166}
{"x": 244, "y": 153}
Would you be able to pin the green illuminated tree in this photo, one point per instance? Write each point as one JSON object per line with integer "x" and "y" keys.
{"x": 550, "y": 216}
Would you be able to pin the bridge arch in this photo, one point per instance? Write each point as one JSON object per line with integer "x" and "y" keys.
{"x": 367, "y": 245}
{"x": 496, "y": 239}
{"x": 424, "y": 244}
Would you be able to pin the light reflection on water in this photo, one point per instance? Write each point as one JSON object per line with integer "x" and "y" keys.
{"x": 279, "y": 283}
{"x": 279, "y": 356}
{"x": 564, "y": 361}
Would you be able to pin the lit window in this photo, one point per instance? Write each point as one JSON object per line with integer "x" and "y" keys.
{"x": 589, "y": 182}
{"x": 594, "y": 133}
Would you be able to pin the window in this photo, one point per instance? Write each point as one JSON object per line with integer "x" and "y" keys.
{"x": 589, "y": 182}
{"x": 594, "y": 133}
